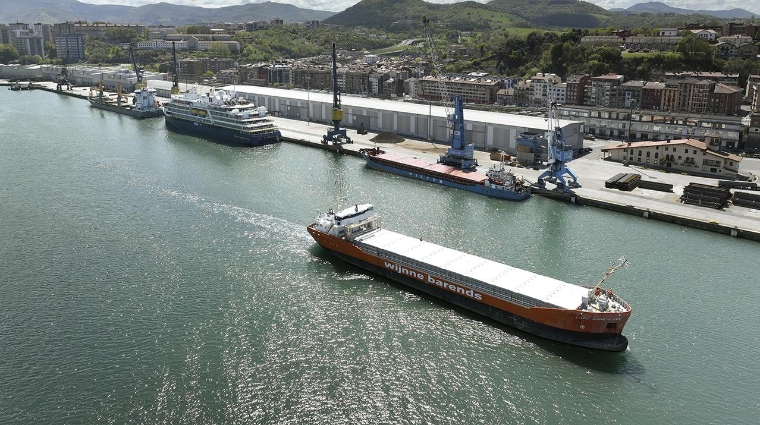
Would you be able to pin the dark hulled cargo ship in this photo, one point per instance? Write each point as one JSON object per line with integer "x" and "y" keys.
{"x": 496, "y": 183}
{"x": 590, "y": 317}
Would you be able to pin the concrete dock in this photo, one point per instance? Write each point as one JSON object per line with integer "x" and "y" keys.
{"x": 592, "y": 172}
{"x": 591, "y": 169}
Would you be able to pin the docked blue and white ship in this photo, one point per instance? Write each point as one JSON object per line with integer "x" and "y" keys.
{"x": 221, "y": 117}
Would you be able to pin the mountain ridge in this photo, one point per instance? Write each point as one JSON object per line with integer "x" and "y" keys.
{"x": 662, "y": 8}
{"x": 57, "y": 11}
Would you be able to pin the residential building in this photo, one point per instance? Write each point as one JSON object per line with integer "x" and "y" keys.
{"x": 100, "y": 30}
{"x": 741, "y": 28}
{"x": 651, "y": 96}
{"x": 576, "y": 88}
{"x": 725, "y": 100}
{"x": 652, "y": 42}
{"x": 280, "y": 75}
{"x": 668, "y": 32}
{"x": 506, "y": 96}
{"x": 540, "y": 84}
{"x": 631, "y": 94}
{"x": 70, "y": 47}
{"x": 523, "y": 91}
{"x": 27, "y": 43}
{"x": 558, "y": 93}
{"x": 718, "y": 77}
{"x": 5, "y": 34}
{"x": 602, "y": 40}
{"x": 679, "y": 155}
{"x": 43, "y": 30}
{"x": 471, "y": 90}
{"x": 753, "y": 84}
{"x": 704, "y": 34}
{"x": 695, "y": 95}
{"x": 606, "y": 90}
{"x": 624, "y": 124}
{"x": 731, "y": 50}
{"x": 753, "y": 134}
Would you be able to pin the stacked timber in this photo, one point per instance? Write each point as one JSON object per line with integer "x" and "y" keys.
{"x": 738, "y": 185}
{"x": 611, "y": 182}
{"x": 745, "y": 199}
{"x": 704, "y": 195}
{"x": 623, "y": 181}
{"x": 660, "y": 187}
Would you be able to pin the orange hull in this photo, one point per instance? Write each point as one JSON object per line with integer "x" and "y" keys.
{"x": 574, "y": 321}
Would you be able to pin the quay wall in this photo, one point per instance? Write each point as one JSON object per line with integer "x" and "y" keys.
{"x": 711, "y": 225}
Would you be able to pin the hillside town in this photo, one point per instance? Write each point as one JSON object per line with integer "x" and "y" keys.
{"x": 685, "y": 104}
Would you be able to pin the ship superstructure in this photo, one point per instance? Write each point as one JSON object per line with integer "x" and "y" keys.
{"x": 591, "y": 317}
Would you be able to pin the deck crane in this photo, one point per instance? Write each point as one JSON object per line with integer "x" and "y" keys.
{"x": 175, "y": 70}
{"x": 336, "y": 135}
{"x": 559, "y": 154}
{"x": 461, "y": 154}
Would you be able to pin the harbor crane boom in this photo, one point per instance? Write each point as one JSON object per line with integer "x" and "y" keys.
{"x": 461, "y": 154}
{"x": 138, "y": 71}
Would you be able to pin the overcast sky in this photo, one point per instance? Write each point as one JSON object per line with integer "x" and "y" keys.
{"x": 340, "y": 5}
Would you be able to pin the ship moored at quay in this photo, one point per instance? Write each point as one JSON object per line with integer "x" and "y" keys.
{"x": 456, "y": 168}
{"x": 591, "y": 317}
{"x": 222, "y": 117}
{"x": 143, "y": 104}
{"x": 498, "y": 182}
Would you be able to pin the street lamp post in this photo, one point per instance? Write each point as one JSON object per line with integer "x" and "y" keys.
{"x": 308, "y": 102}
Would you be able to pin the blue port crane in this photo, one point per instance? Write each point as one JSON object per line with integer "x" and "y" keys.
{"x": 558, "y": 155}
{"x": 460, "y": 154}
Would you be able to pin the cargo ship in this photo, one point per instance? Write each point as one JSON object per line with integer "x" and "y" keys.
{"x": 586, "y": 316}
{"x": 221, "y": 117}
{"x": 143, "y": 103}
{"x": 498, "y": 182}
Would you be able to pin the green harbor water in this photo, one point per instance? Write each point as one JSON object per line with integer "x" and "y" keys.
{"x": 149, "y": 277}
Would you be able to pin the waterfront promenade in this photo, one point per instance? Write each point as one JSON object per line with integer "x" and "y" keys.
{"x": 592, "y": 171}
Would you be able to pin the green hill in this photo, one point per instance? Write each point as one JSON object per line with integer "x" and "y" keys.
{"x": 555, "y": 13}
{"x": 400, "y": 14}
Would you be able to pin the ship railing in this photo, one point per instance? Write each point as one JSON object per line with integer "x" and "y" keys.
{"x": 456, "y": 278}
